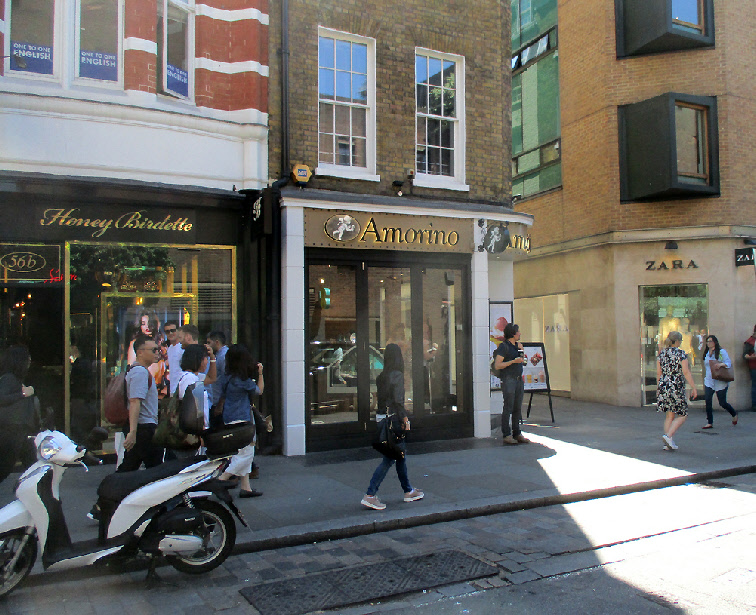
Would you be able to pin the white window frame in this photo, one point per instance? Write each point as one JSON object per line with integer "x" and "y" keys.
{"x": 368, "y": 173}
{"x": 57, "y": 46}
{"x": 87, "y": 81}
{"x": 457, "y": 180}
{"x": 189, "y": 7}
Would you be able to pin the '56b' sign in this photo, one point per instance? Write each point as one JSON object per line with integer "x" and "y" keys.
{"x": 28, "y": 262}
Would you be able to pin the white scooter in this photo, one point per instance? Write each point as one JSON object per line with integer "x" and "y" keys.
{"x": 165, "y": 510}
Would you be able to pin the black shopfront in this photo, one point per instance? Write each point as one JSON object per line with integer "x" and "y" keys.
{"x": 86, "y": 264}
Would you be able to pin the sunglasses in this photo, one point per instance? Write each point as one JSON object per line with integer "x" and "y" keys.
{"x": 170, "y": 330}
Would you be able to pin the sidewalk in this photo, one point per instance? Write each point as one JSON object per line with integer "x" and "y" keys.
{"x": 593, "y": 450}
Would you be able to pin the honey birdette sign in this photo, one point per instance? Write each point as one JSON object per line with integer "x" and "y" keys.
{"x": 148, "y": 225}
{"x": 364, "y": 230}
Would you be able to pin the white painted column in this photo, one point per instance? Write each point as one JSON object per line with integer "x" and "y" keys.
{"x": 293, "y": 334}
{"x": 501, "y": 288}
{"x": 481, "y": 381}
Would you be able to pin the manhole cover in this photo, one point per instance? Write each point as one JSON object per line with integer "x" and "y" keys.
{"x": 344, "y": 586}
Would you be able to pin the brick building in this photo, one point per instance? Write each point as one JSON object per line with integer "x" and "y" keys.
{"x": 402, "y": 113}
{"x": 127, "y": 127}
{"x": 636, "y": 171}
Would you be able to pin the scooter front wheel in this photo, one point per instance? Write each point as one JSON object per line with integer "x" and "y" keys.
{"x": 218, "y": 536}
{"x": 16, "y": 545}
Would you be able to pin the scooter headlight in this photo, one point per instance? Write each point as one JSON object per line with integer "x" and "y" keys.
{"x": 48, "y": 448}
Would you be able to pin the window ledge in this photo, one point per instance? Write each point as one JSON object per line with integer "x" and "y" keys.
{"x": 332, "y": 170}
{"x": 439, "y": 181}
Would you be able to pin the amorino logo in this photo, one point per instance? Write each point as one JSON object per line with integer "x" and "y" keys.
{"x": 342, "y": 228}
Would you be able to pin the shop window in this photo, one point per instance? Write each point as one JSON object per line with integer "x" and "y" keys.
{"x": 669, "y": 148}
{"x": 665, "y": 308}
{"x": 32, "y": 36}
{"x": 536, "y": 128}
{"x": 439, "y": 104}
{"x": 98, "y": 34}
{"x": 175, "y": 26}
{"x": 654, "y": 26}
{"x": 530, "y": 19}
{"x": 547, "y": 319}
{"x": 346, "y": 105}
{"x": 120, "y": 291}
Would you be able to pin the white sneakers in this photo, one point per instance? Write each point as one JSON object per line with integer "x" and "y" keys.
{"x": 413, "y": 495}
{"x": 669, "y": 443}
{"x": 372, "y": 501}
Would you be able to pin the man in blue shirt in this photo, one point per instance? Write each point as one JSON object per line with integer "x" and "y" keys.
{"x": 217, "y": 342}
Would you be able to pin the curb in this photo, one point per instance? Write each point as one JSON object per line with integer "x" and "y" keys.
{"x": 286, "y": 537}
{"x": 290, "y": 537}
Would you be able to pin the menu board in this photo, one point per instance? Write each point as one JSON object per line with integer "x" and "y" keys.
{"x": 535, "y": 374}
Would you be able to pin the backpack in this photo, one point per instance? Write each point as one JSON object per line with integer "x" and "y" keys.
{"x": 192, "y": 411}
{"x": 168, "y": 433}
{"x": 117, "y": 399}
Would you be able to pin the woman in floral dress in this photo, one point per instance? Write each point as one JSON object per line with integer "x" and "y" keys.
{"x": 672, "y": 370}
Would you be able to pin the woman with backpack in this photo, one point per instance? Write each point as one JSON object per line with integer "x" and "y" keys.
{"x": 193, "y": 363}
{"x": 717, "y": 355}
{"x": 238, "y": 389}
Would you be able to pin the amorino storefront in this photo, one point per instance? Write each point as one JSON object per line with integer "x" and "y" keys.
{"x": 86, "y": 265}
{"x": 360, "y": 272}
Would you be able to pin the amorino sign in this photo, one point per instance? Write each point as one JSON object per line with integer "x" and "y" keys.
{"x": 374, "y": 230}
{"x": 110, "y": 223}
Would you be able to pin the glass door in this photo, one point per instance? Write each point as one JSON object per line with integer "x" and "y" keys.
{"x": 355, "y": 309}
{"x": 332, "y": 346}
{"x": 683, "y": 308}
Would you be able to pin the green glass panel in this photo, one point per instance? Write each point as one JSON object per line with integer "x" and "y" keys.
{"x": 516, "y": 114}
{"x": 540, "y": 103}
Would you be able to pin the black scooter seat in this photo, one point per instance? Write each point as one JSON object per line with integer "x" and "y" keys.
{"x": 118, "y": 485}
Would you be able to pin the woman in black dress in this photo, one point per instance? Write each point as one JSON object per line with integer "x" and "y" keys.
{"x": 672, "y": 370}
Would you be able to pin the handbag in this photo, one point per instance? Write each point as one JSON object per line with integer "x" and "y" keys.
{"x": 721, "y": 372}
{"x": 386, "y": 441}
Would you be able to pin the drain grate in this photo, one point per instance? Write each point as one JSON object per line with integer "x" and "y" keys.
{"x": 345, "y": 586}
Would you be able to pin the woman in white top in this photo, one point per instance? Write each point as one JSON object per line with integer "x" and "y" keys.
{"x": 193, "y": 363}
{"x": 717, "y": 355}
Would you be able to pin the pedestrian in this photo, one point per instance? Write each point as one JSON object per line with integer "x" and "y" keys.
{"x": 217, "y": 342}
{"x": 390, "y": 393}
{"x": 672, "y": 371}
{"x": 174, "y": 353}
{"x": 718, "y": 356}
{"x": 238, "y": 390}
{"x": 749, "y": 354}
{"x": 508, "y": 359}
{"x": 16, "y": 407}
{"x": 194, "y": 361}
{"x": 142, "y": 394}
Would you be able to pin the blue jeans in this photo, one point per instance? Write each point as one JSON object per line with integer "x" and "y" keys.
{"x": 513, "y": 391}
{"x": 385, "y": 466}
{"x": 722, "y": 399}
{"x": 753, "y": 388}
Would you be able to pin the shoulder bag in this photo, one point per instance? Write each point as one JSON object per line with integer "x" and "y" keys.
{"x": 719, "y": 371}
{"x": 385, "y": 440}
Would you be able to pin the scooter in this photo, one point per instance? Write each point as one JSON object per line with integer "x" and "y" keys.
{"x": 163, "y": 511}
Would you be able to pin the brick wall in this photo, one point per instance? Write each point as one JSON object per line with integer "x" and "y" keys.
{"x": 227, "y": 41}
{"x": 593, "y": 83}
{"x": 478, "y": 31}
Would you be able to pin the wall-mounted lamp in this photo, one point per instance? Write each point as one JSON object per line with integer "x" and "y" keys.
{"x": 749, "y": 242}
{"x": 397, "y": 185}
{"x": 670, "y": 245}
